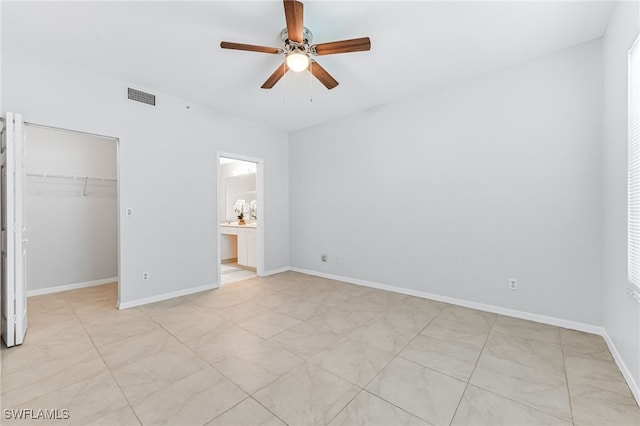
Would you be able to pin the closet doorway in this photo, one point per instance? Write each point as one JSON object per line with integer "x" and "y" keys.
{"x": 71, "y": 214}
{"x": 240, "y": 218}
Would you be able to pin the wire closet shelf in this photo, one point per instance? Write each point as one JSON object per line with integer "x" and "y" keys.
{"x": 84, "y": 179}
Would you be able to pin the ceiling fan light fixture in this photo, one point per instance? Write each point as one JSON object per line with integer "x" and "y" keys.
{"x": 297, "y": 61}
{"x": 297, "y": 46}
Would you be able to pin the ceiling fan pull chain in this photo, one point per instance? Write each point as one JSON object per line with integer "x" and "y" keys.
{"x": 284, "y": 71}
{"x": 310, "y": 82}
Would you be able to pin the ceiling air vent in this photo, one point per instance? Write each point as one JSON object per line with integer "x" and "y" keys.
{"x": 140, "y": 96}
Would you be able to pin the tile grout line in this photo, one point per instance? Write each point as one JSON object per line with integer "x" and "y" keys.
{"x": 228, "y": 409}
{"x": 210, "y": 364}
{"x": 473, "y": 370}
{"x": 598, "y": 359}
{"x": 566, "y": 378}
{"x": 5, "y": 348}
{"x": 206, "y": 362}
{"x": 105, "y": 363}
{"x": 364, "y": 388}
{"x": 398, "y": 407}
{"x": 249, "y": 395}
{"x": 511, "y": 399}
{"x": 79, "y": 322}
{"x": 506, "y": 397}
{"x": 342, "y": 378}
{"x": 266, "y": 408}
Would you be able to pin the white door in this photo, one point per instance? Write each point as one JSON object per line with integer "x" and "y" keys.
{"x": 14, "y": 294}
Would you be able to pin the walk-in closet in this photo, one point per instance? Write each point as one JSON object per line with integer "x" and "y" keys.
{"x": 70, "y": 209}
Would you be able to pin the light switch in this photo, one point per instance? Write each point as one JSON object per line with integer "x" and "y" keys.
{"x": 128, "y": 211}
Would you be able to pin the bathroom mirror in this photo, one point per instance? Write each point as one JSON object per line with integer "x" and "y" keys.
{"x": 241, "y": 187}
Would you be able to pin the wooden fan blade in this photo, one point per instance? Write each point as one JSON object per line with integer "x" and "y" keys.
{"x": 249, "y": 47}
{"x": 294, "y": 14}
{"x": 276, "y": 76}
{"x": 322, "y": 75}
{"x": 343, "y": 46}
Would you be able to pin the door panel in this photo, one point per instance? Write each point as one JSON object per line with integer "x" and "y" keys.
{"x": 21, "y": 230}
{"x": 8, "y": 263}
{"x": 14, "y": 294}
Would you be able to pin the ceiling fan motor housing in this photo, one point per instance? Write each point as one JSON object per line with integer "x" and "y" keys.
{"x": 292, "y": 46}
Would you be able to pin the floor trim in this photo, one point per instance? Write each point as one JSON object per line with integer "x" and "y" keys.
{"x": 276, "y": 271}
{"x": 574, "y": 325}
{"x": 626, "y": 373}
{"x": 166, "y": 296}
{"x": 67, "y": 287}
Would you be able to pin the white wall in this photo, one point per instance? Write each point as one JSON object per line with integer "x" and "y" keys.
{"x": 72, "y": 236}
{"x": 455, "y": 191}
{"x": 621, "y": 312}
{"x": 167, "y": 169}
{"x": 54, "y": 151}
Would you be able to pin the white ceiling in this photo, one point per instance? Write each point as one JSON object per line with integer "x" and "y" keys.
{"x": 173, "y": 47}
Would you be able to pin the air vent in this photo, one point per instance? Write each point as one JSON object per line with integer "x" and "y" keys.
{"x": 140, "y": 96}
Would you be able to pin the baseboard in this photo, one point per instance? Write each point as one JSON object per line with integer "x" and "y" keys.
{"x": 67, "y": 287}
{"x": 166, "y": 296}
{"x": 275, "y": 271}
{"x": 635, "y": 389}
{"x": 589, "y": 328}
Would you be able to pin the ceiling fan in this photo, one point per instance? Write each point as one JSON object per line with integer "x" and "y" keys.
{"x": 297, "y": 46}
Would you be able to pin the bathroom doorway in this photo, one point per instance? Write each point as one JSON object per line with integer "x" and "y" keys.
{"x": 240, "y": 223}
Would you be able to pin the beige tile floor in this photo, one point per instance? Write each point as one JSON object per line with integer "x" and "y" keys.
{"x": 300, "y": 350}
{"x": 232, "y": 272}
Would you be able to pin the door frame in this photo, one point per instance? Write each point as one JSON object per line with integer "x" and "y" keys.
{"x": 12, "y": 233}
{"x": 259, "y": 199}
{"x": 118, "y": 204}
{"x": 14, "y": 273}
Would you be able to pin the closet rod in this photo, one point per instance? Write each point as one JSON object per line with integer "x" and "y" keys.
{"x": 46, "y": 175}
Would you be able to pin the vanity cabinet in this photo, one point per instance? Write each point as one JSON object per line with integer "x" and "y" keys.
{"x": 246, "y": 243}
{"x": 247, "y": 247}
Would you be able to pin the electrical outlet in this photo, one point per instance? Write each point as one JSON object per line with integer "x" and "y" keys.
{"x": 513, "y": 284}
{"x": 323, "y": 257}
{"x": 145, "y": 276}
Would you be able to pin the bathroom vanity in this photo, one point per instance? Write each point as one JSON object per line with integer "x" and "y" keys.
{"x": 245, "y": 236}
